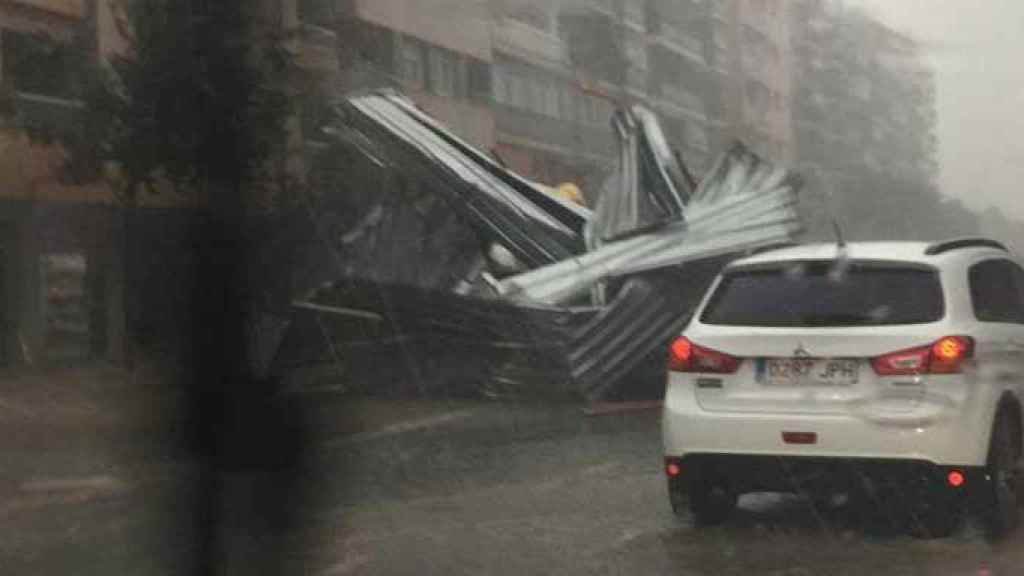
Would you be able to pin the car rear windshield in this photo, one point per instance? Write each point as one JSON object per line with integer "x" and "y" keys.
{"x": 822, "y": 294}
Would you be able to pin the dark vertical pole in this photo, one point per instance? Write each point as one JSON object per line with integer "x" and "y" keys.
{"x": 246, "y": 437}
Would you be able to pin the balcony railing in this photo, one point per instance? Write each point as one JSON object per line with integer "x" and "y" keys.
{"x": 606, "y": 6}
{"x": 40, "y": 112}
{"x": 681, "y": 43}
{"x": 318, "y": 48}
{"x": 718, "y": 10}
{"x": 69, "y": 8}
{"x": 317, "y": 12}
{"x": 529, "y": 42}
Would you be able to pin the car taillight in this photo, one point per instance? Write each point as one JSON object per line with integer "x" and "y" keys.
{"x": 685, "y": 356}
{"x": 949, "y": 353}
{"x": 945, "y": 356}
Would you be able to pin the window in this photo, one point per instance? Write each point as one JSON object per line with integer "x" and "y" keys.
{"x": 635, "y": 12}
{"x": 995, "y": 295}
{"x": 587, "y": 109}
{"x": 517, "y": 90}
{"x": 37, "y": 64}
{"x": 720, "y": 37}
{"x": 478, "y": 80}
{"x": 535, "y": 94}
{"x": 317, "y": 12}
{"x": 377, "y": 47}
{"x": 550, "y": 99}
{"x": 532, "y": 15}
{"x": 810, "y": 294}
{"x": 1018, "y": 275}
{"x": 443, "y": 72}
{"x": 565, "y": 95}
{"x": 499, "y": 84}
{"x": 411, "y": 63}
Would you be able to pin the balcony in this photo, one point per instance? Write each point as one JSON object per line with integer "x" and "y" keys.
{"x": 636, "y": 82}
{"x": 65, "y": 8}
{"x": 572, "y": 138}
{"x": 603, "y": 6}
{"x": 529, "y": 43}
{"x": 681, "y": 43}
{"x": 678, "y": 101}
{"x": 317, "y": 49}
{"x": 718, "y": 11}
{"x": 636, "y": 52}
{"x": 47, "y": 113}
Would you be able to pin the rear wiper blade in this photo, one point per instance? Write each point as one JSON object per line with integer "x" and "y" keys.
{"x": 836, "y": 319}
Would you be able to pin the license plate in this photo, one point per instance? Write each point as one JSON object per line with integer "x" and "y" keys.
{"x": 809, "y": 371}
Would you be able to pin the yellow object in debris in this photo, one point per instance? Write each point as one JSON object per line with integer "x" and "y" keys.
{"x": 571, "y": 192}
{"x": 565, "y": 191}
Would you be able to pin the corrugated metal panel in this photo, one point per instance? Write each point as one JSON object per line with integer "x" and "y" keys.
{"x": 530, "y": 333}
{"x": 744, "y": 203}
{"x": 505, "y": 208}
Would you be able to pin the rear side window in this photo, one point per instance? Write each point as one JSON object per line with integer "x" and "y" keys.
{"x": 817, "y": 294}
{"x": 995, "y": 291}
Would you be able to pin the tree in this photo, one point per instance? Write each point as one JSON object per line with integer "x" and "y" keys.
{"x": 197, "y": 108}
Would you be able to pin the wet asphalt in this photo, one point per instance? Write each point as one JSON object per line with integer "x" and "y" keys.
{"x": 536, "y": 490}
{"x": 485, "y": 489}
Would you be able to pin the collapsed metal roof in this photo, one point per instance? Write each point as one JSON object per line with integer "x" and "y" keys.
{"x": 589, "y": 296}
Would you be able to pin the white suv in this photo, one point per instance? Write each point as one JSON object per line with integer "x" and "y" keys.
{"x": 889, "y": 372}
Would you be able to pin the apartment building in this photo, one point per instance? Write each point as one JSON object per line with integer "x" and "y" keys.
{"x": 687, "y": 76}
{"x": 864, "y": 101}
{"x": 547, "y": 125}
{"x": 753, "y": 38}
{"x": 51, "y": 232}
{"x": 440, "y": 58}
{"x": 561, "y": 67}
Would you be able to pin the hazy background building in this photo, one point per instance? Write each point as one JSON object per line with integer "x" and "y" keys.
{"x": 536, "y": 81}
{"x": 864, "y": 121}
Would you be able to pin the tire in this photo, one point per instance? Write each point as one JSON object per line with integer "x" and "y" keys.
{"x": 935, "y": 516}
{"x": 677, "y": 497}
{"x": 1002, "y": 512}
{"x": 711, "y": 499}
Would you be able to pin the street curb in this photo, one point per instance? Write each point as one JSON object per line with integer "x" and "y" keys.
{"x": 400, "y": 428}
{"x": 608, "y": 408}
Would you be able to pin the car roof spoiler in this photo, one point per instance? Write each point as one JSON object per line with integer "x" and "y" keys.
{"x": 959, "y": 243}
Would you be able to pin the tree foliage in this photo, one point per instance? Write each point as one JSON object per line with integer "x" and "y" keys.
{"x": 198, "y": 101}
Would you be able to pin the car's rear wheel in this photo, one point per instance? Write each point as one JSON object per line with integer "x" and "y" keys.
{"x": 711, "y": 498}
{"x": 1002, "y": 512}
{"x": 935, "y": 516}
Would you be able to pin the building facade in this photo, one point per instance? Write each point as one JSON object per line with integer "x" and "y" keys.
{"x": 547, "y": 126}
{"x": 53, "y": 235}
{"x": 440, "y": 59}
{"x": 753, "y": 38}
{"x": 865, "y": 99}
{"x": 864, "y": 108}
{"x": 562, "y": 67}
{"x": 536, "y": 81}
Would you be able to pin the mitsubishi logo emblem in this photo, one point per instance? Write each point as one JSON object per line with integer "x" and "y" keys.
{"x": 801, "y": 352}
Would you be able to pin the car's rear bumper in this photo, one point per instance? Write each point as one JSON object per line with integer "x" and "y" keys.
{"x": 941, "y": 432}
{"x": 815, "y": 475}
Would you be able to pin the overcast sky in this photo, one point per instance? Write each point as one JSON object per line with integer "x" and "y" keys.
{"x": 977, "y": 49}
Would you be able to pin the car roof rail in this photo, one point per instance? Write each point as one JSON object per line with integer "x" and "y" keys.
{"x": 771, "y": 248}
{"x": 958, "y": 243}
